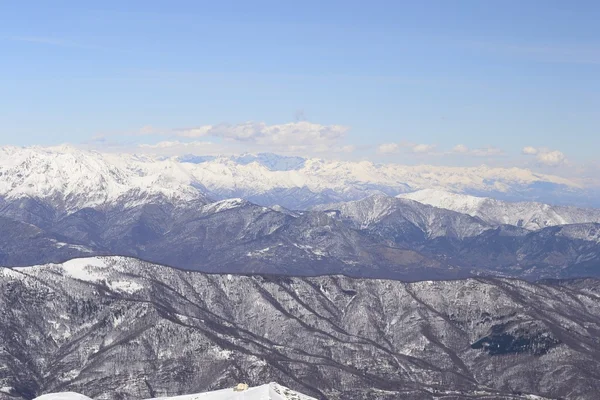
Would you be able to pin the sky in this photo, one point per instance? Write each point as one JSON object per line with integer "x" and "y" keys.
{"x": 502, "y": 83}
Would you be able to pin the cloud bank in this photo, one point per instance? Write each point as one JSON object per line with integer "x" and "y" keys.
{"x": 310, "y": 139}
{"x": 293, "y": 135}
{"x": 545, "y": 156}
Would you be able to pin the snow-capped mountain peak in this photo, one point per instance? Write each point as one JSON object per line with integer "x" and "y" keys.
{"x": 445, "y": 199}
{"x": 528, "y": 215}
{"x": 74, "y": 179}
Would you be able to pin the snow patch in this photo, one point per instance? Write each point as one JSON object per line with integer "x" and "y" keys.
{"x": 85, "y": 269}
{"x": 223, "y": 205}
{"x": 125, "y": 286}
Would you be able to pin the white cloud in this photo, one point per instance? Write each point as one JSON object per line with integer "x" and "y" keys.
{"x": 195, "y": 132}
{"x": 347, "y": 149}
{"x": 547, "y": 157}
{"x": 552, "y": 158}
{"x": 387, "y": 148}
{"x": 423, "y": 148}
{"x": 529, "y": 150}
{"x": 488, "y": 151}
{"x": 299, "y": 133}
{"x": 460, "y": 148}
{"x": 417, "y": 148}
{"x": 300, "y": 137}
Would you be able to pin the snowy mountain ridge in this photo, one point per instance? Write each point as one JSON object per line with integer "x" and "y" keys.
{"x": 78, "y": 178}
{"x": 270, "y": 391}
{"x": 122, "y": 328}
{"x": 378, "y": 209}
{"x": 528, "y": 215}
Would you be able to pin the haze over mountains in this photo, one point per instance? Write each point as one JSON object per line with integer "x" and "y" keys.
{"x": 113, "y": 327}
{"x": 60, "y": 203}
{"x": 75, "y": 179}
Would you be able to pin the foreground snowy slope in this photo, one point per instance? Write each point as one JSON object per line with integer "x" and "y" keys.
{"x": 271, "y": 391}
{"x": 529, "y": 215}
{"x": 113, "y": 327}
{"x": 62, "y": 396}
{"x": 73, "y": 179}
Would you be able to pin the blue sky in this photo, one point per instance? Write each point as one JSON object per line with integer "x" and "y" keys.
{"x": 394, "y": 80}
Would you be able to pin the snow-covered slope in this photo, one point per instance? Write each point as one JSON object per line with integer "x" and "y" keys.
{"x": 73, "y": 179}
{"x": 529, "y": 215}
{"x": 384, "y": 210}
{"x": 316, "y": 181}
{"x": 331, "y": 337}
{"x": 77, "y": 178}
{"x": 271, "y": 391}
{"x": 62, "y": 396}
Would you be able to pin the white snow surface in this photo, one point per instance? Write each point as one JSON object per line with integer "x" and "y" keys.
{"x": 99, "y": 269}
{"x": 375, "y": 208}
{"x": 224, "y": 205}
{"x": 85, "y": 269}
{"x": 63, "y": 396}
{"x": 271, "y": 391}
{"x": 529, "y": 215}
{"x": 79, "y": 178}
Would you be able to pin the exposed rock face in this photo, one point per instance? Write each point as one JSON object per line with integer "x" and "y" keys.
{"x": 126, "y": 329}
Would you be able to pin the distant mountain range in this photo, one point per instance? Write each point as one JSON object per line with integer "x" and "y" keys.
{"x": 114, "y": 327}
{"x": 62, "y": 203}
{"x": 71, "y": 179}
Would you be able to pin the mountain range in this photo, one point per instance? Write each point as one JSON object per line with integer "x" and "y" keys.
{"x": 62, "y": 203}
{"x": 116, "y": 327}
{"x": 341, "y": 280}
{"x": 72, "y": 179}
